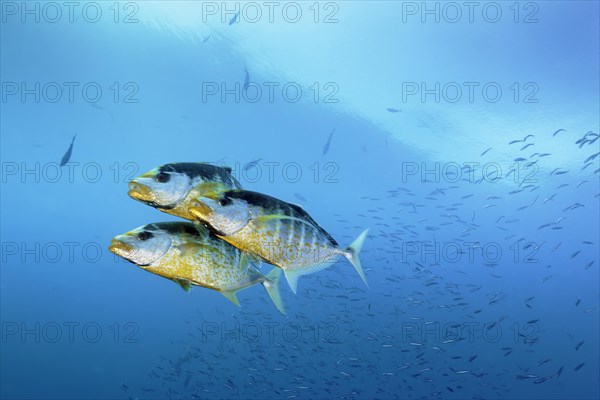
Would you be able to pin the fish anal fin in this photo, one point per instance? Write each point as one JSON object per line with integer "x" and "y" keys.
{"x": 292, "y": 279}
{"x": 271, "y": 285}
{"x": 230, "y": 295}
{"x": 184, "y": 283}
{"x": 292, "y": 274}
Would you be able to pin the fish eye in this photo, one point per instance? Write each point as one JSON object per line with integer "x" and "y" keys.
{"x": 162, "y": 177}
{"x": 145, "y": 235}
{"x": 225, "y": 201}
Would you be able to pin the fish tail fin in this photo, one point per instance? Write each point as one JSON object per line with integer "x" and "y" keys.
{"x": 351, "y": 253}
{"x": 271, "y": 285}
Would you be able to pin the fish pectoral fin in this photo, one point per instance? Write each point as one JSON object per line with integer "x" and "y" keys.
{"x": 187, "y": 249}
{"x": 249, "y": 259}
{"x": 184, "y": 283}
{"x": 230, "y": 295}
{"x": 210, "y": 187}
{"x": 195, "y": 249}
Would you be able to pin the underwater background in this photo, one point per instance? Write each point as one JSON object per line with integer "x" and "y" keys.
{"x": 465, "y": 136}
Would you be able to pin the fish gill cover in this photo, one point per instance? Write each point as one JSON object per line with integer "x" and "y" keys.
{"x": 463, "y": 135}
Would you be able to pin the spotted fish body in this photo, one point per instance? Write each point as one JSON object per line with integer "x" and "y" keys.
{"x": 170, "y": 187}
{"x": 193, "y": 256}
{"x": 280, "y": 233}
{"x": 204, "y": 260}
{"x": 289, "y": 243}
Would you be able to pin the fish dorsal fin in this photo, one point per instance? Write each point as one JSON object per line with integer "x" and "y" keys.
{"x": 298, "y": 208}
{"x": 230, "y": 295}
{"x": 184, "y": 283}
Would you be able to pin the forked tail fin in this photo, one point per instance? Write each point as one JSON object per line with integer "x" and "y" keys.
{"x": 352, "y": 252}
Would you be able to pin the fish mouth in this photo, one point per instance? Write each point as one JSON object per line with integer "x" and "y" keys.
{"x": 120, "y": 248}
{"x": 140, "y": 192}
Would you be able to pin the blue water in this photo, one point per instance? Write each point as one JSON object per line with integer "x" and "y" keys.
{"x": 482, "y": 269}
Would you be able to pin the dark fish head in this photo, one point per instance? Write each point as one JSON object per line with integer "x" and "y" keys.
{"x": 143, "y": 246}
{"x": 167, "y": 186}
{"x": 221, "y": 212}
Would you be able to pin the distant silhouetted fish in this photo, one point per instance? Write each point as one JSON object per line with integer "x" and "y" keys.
{"x": 246, "y": 79}
{"x": 526, "y": 146}
{"x": 591, "y": 158}
{"x": 393, "y": 110}
{"x": 67, "y": 156}
{"x": 251, "y": 164}
{"x": 326, "y": 147}
{"x": 560, "y": 130}
{"x": 299, "y": 197}
{"x": 234, "y": 18}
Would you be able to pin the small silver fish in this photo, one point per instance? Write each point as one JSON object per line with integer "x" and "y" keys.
{"x": 234, "y": 18}
{"x": 328, "y": 144}
{"x": 252, "y": 164}
{"x": 246, "y": 79}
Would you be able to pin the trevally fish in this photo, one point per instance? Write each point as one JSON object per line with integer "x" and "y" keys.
{"x": 170, "y": 187}
{"x": 280, "y": 233}
{"x": 190, "y": 255}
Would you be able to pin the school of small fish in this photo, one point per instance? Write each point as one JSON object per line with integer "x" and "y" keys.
{"x": 447, "y": 333}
